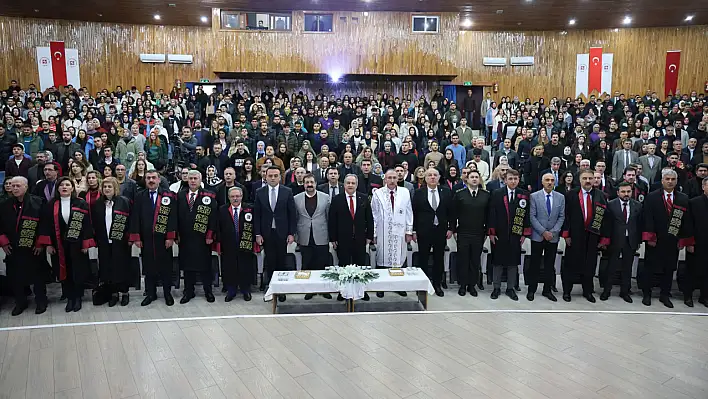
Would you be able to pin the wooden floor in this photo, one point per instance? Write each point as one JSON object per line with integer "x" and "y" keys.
{"x": 463, "y": 348}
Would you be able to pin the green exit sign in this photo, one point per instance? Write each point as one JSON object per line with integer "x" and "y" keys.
{"x": 467, "y": 83}
{"x": 203, "y": 80}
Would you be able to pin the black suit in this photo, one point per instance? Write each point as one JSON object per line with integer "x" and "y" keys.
{"x": 349, "y": 233}
{"x": 325, "y": 188}
{"x": 625, "y": 237}
{"x": 469, "y": 221}
{"x": 343, "y": 171}
{"x": 274, "y": 238}
{"x": 432, "y": 235}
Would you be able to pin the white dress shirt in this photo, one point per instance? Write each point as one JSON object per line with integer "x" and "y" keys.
{"x": 109, "y": 219}
{"x": 65, "y": 208}
{"x": 353, "y": 197}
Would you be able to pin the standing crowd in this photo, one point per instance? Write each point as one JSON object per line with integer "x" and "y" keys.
{"x": 93, "y": 174}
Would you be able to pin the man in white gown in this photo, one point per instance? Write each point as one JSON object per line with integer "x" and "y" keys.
{"x": 393, "y": 223}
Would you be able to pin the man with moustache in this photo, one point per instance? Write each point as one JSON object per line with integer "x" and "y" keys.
{"x": 623, "y": 218}
{"x": 351, "y": 224}
{"x": 236, "y": 244}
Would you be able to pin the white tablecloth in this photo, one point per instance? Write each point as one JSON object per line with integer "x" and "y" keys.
{"x": 415, "y": 281}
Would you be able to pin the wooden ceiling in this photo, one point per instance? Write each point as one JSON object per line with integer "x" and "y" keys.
{"x": 485, "y": 15}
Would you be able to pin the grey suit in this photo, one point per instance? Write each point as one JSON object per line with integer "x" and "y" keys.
{"x": 618, "y": 162}
{"x": 647, "y": 171}
{"x": 312, "y": 234}
{"x": 542, "y": 221}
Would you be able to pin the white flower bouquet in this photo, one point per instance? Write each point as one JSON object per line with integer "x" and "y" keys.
{"x": 349, "y": 274}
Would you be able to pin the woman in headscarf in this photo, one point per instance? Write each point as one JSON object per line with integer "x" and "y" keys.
{"x": 212, "y": 181}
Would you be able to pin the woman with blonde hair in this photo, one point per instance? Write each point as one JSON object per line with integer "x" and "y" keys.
{"x": 77, "y": 174}
{"x": 366, "y": 153}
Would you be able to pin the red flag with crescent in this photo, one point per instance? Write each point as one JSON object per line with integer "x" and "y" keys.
{"x": 58, "y": 63}
{"x": 673, "y": 62}
{"x": 595, "y": 70}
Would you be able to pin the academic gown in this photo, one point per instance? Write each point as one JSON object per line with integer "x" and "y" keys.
{"x": 236, "y": 250}
{"x": 19, "y": 224}
{"x": 509, "y": 222}
{"x": 152, "y": 226}
{"x": 194, "y": 228}
{"x": 391, "y": 225}
{"x": 698, "y": 260}
{"x": 581, "y": 255}
{"x": 68, "y": 239}
{"x": 657, "y": 224}
{"x": 113, "y": 257}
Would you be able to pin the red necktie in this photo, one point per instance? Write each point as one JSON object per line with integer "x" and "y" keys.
{"x": 351, "y": 205}
{"x": 624, "y": 211}
{"x": 393, "y": 201}
{"x": 588, "y": 209}
{"x": 669, "y": 203}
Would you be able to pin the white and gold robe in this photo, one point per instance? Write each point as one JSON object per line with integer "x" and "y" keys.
{"x": 391, "y": 226}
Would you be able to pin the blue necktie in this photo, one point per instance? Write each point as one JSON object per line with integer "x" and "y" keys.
{"x": 548, "y": 204}
{"x": 152, "y": 199}
{"x": 236, "y": 221}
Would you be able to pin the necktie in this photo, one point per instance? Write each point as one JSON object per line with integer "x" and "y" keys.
{"x": 152, "y": 198}
{"x": 626, "y": 158}
{"x": 548, "y": 204}
{"x": 555, "y": 177}
{"x": 474, "y": 194}
{"x": 351, "y": 205}
{"x": 236, "y": 221}
{"x": 393, "y": 201}
{"x": 669, "y": 203}
{"x": 624, "y": 210}
{"x": 191, "y": 201}
{"x": 435, "y": 205}
{"x": 272, "y": 199}
{"x": 331, "y": 192}
{"x": 588, "y": 208}
{"x": 511, "y": 196}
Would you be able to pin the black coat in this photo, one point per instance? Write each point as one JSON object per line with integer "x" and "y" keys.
{"x": 424, "y": 215}
{"x": 470, "y": 213}
{"x": 583, "y": 242}
{"x": 194, "y": 227}
{"x": 233, "y": 256}
{"x": 619, "y": 229}
{"x": 502, "y": 214}
{"x": 152, "y": 226}
{"x": 324, "y": 188}
{"x": 699, "y": 219}
{"x": 344, "y": 230}
{"x": 113, "y": 258}
{"x": 285, "y": 214}
{"x": 19, "y": 227}
{"x": 664, "y": 256}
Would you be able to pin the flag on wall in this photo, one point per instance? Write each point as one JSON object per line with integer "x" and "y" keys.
{"x": 593, "y": 72}
{"x": 58, "y": 66}
{"x": 673, "y": 63}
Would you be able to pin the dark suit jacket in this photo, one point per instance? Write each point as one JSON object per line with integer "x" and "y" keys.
{"x": 12, "y": 169}
{"x": 344, "y": 172}
{"x": 325, "y": 188}
{"x": 424, "y": 215}
{"x": 619, "y": 227}
{"x": 285, "y": 214}
{"x": 342, "y": 228}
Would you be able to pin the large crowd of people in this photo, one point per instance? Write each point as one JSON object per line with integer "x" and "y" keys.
{"x": 239, "y": 173}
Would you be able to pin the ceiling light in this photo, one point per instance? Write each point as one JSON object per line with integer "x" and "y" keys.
{"x": 689, "y": 18}
{"x": 627, "y": 20}
{"x": 571, "y": 22}
{"x": 366, "y": 13}
{"x": 156, "y": 16}
{"x": 615, "y": 30}
{"x": 205, "y": 19}
{"x": 467, "y": 23}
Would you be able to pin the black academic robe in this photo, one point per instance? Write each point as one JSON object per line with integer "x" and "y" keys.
{"x": 195, "y": 226}
{"x": 152, "y": 225}
{"x": 68, "y": 239}
{"x": 698, "y": 260}
{"x": 581, "y": 255}
{"x": 509, "y": 222}
{"x": 237, "y": 250}
{"x": 658, "y": 227}
{"x": 113, "y": 257}
{"x": 222, "y": 194}
{"x": 19, "y": 227}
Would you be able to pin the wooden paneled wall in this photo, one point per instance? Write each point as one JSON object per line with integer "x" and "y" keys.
{"x": 639, "y": 59}
{"x": 380, "y": 43}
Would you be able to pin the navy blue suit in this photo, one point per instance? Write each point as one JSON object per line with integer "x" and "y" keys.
{"x": 274, "y": 239}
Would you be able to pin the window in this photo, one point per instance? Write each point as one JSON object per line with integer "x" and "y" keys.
{"x": 256, "y": 21}
{"x": 425, "y": 23}
{"x": 318, "y": 22}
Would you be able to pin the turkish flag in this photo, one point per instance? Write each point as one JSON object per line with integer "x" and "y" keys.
{"x": 673, "y": 62}
{"x": 58, "y": 63}
{"x": 595, "y": 70}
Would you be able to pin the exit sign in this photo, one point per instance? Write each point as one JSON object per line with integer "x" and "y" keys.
{"x": 203, "y": 80}
{"x": 467, "y": 83}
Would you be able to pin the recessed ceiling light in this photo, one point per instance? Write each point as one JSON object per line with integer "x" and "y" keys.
{"x": 204, "y": 19}
{"x": 467, "y": 23}
{"x": 156, "y": 16}
{"x": 571, "y": 22}
{"x": 615, "y": 30}
{"x": 689, "y": 18}
{"x": 99, "y": 14}
{"x": 366, "y": 13}
{"x": 627, "y": 20}
{"x": 36, "y": 10}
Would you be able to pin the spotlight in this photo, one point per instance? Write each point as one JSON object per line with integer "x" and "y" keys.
{"x": 335, "y": 75}
{"x": 689, "y": 18}
{"x": 156, "y": 16}
{"x": 204, "y": 19}
{"x": 467, "y": 23}
{"x": 571, "y": 22}
{"x": 627, "y": 20}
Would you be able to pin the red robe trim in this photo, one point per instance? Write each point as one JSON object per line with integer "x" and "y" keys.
{"x": 604, "y": 241}
{"x": 4, "y": 240}
{"x": 648, "y": 236}
{"x": 686, "y": 242}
